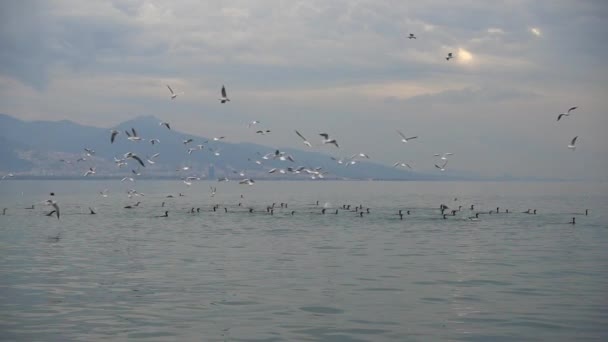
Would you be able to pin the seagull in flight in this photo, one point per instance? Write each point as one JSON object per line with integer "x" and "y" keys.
{"x": 411, "y": 36}
{"x": 572, "y": 145}
{"x": 397, "y": 164}
{"x": 187, "y": 141}
{"x": 247, "y": 181}
{"x": 173, "y": 94}
{"x": 89, "y": 152}
{"x": 90, "y": 171}
{"x": 166, "y": 124}
{"x": 224, "y": 97}
{"x": 134, "y": 136}
{"x": 55, "y": 205}
{"x": 405, "y": 139}
{"x": 327, "y": 140}
{"x": 450, "y": 56}
{"x": 442, "y": 167}
{"x": 566, "y": 113}
{"x": 154, "y": 141}
{"x": 306, "y": 142}
{"x": 444, "y": 156}
{"x": 113, "y": 134}
{"x": 135, "y": 157}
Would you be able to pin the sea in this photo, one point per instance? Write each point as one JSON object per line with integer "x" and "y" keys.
{"x": 295, "y": 274}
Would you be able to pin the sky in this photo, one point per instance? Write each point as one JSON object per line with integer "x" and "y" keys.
{"x": 342, "y": 67}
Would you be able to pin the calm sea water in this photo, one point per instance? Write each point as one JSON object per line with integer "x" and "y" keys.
{"x": 215, "y": 276}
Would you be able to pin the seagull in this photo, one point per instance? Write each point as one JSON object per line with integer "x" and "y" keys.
{"x": 92, "y": 211}
{"x": 213, "y": 190}
{"x": 149, "y": 159}
{"x": 327, "y": 140}
{"x": 442, "y": 167}
{"x": 247, "y": 181}
{"x": 134, "y": 136}
{"x": 304, "y": 139}
{"x": 444, "y": 156}
{"x": 166, "y": 124}
{"x": 127, "y": 178}
{"x": 224, "y": 97}
{"x": 218, "y": 138}
{"x": 90, "y": 171}
{"x": 572, "y": 145}
{"x": 567, "y": 113}
{"x": 187, "y": 141}
{"x": 89, "y": 152}
{"x": 362, "y": 155}
{"x": 113, "y": 134}
{"x": 134, "y": 156}
{"x": 411, "y": 36}
{"x": 450, "y": 56}
{"x": 165, "y": 215}
{"x": 154, "y": 141}
{"x": 405, "y": 139}
{"x": 402, "y": 165}
{"x": 223, "y": 179}
{"x": 54, "y": 204}
{"x": 263, "y": 132}
{"x": 173, "y": 95}
{"x": 7, "y": 175}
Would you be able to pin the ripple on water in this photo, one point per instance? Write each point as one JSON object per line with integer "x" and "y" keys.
{"x": 321, "y": 309}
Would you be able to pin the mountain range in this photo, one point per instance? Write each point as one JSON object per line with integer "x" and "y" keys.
{"x": 53, "y": 148}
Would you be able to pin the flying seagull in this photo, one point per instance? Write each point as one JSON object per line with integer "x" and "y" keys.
{"x": 405, "y": 139}
{"x": 442, "y": 167}
{"x": 134, "y": 136}
{"x": 54, "y": 204}
{"x": 567, "y": 113}
{"x": 303, "y": 139}
{"x": 450, "y": 56}
{"x": 166, "y": 124}
{"x": 173, "y": 94}
{"x": 411, "y": 36}
{"x": 572, "y": 145}
{"x": 134, "y": 156}
{"x": 327, "y": 140}
{"x": 402, "y": 165}
{"x": 113, "y": 134}
{"x": 224, "y": 97}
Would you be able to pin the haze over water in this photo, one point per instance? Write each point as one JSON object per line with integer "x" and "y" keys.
{"x": 215, "y": 276}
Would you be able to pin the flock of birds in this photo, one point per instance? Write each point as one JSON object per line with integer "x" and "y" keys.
{"x": 314, "y": 173}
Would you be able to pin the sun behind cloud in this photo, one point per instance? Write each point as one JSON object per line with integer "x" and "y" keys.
{"x": 464, "y": 56}
{"x": 536, "y": 31}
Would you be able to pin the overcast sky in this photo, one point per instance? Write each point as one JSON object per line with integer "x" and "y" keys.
{"x": 341, "y": 67}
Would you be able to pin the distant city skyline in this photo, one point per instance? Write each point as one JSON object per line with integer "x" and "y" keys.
{"x": 341, "y": 67}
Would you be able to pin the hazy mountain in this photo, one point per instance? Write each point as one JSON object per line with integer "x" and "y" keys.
{"x": 36, "y": 148}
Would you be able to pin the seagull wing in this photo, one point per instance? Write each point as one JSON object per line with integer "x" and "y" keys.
{"x": 324, "y": 135}
{"x": 134, "y": 132}
{"x": 56, "y": 209}
{"x": 113, "y": 136}
{"x": 300, "y": 135}
{"x": 171, "y": 90}
{"x": 401, "y": 134}
{"x": 574, "y": 140}
{"x": 138, "y": 159}
{"x": 560, "y": 116}
{"x": 223, "y": 91}
{"x": 571, "y": 109}
{"x": 410, "y": 138}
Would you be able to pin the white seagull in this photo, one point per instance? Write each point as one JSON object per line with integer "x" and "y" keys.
{"x": 173, "y": 94}
{"x": 444, "y": 156}
{"x": 134, "y": 136}
{"x": 90, "y": 171}
{"x": 54, "y": 204}
{"x": 329, "y": 141}
{"x": 572, "y": 145}
{"x": 405, "y": 139}
{"x": 224, "y": 97}
{"x": 247, "y": 181}
{"x": 397, "y": 164}
{"x": 303, "y": 139}
{"x": 442, "y": 167}
{"x": 567, "y": 113}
